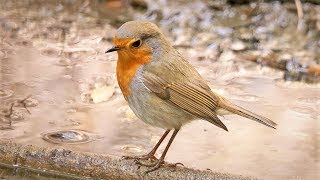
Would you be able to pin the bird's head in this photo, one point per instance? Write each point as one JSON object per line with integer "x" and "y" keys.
{"x": 138, "y": 41}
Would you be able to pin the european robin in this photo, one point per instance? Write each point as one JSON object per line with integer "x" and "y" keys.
{"x": 162, "y": 88}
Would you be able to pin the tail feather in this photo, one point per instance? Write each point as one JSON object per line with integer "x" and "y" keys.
{"x": 224, "y": 104}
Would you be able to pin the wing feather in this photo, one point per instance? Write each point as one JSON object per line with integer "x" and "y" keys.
{"x": 187, "y": 96}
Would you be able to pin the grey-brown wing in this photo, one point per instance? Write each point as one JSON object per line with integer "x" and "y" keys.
{"x": 191, "y": 97}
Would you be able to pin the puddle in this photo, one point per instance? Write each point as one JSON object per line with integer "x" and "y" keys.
{"x": 66, "y": 137}
{"x": 258, "y": 148}
{"x": 61, "y": 85}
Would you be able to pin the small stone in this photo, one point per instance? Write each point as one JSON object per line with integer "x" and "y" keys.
{"x": 238, "y": 46}
{"x": 103, "y": 93}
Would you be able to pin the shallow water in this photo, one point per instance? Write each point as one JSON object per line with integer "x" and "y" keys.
{"x": 65, "y": 78}
{"x": 248, "y": 148}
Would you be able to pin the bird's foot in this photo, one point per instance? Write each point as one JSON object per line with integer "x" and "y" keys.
{"x": 154, "y": 166}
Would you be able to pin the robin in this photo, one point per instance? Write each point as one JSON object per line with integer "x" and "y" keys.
{"x": 162, "y": 88}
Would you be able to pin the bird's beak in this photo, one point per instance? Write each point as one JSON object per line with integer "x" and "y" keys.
{"x": 114, "y": 48}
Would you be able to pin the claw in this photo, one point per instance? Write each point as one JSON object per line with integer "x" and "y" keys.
{"x": 176, "y": 164}
{"x": 154, "y": 167}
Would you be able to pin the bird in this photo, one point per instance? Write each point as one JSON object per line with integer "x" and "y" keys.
{"x": 163, "y": 89}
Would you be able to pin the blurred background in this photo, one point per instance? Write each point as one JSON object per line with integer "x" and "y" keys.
{"x": 58, "y": 87}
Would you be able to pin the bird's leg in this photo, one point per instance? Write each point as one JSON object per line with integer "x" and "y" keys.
{"x": 150, "y": 155}
{"x": 157, "y": 165}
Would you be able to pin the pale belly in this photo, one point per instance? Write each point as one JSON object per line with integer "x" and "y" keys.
{"x": 153, "y": 110}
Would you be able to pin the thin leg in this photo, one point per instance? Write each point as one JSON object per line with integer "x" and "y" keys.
{"x": 150, "y": 155}
{"x": 161, "y": 160}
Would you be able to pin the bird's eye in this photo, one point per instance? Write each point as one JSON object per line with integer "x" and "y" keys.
{"x": 136, "y": 43}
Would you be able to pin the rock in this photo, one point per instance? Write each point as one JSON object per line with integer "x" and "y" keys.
{"x": 238, "y": 46}
{"x": 101, "y": 94}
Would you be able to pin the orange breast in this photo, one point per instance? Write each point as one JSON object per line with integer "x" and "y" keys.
{"x": 128, "y": 63}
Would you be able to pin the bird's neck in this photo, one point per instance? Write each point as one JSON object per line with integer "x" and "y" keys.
{"x": 127, "y": 66}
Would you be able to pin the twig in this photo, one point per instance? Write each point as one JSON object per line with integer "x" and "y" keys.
{"x": 301, "y": 24}
{"x": 9, "y": 114}
{"x": 10, "y": 111}
{"x": 299, "y": 8}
